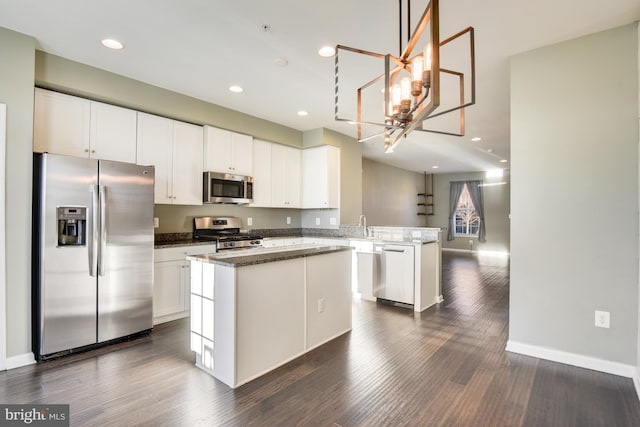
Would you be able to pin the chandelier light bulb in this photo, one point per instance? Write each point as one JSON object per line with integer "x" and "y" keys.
{"x": 416, "y": 68}
{"x": 427, "y": 57}
{"x": 396, "y": 95}
{"x": 405, "y": 85}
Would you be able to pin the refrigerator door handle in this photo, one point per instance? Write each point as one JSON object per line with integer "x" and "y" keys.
{"x": 93, "y": 246}
{"x": 103, "y": 228}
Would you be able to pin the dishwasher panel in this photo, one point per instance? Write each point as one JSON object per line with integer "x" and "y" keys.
{"x": 395, "y": 273}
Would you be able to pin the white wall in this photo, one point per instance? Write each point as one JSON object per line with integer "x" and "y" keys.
{"x": 574, "y": 196}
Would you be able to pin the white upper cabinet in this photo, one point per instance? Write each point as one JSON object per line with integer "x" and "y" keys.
{"x": 175, "y": 149}
{"x": 321, "y": 177}
{"x": 228, "y": 152}
{"x": 262, "y": 174}
{"x": 78, "y": 127}
{"x": 286, "y": 177}
{"x": 187, "y": 163}
{"x": 113, "y": 133}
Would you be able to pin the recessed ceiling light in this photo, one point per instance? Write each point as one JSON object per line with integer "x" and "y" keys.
{"x": 476, "y": 139}
{"x": 235, "y": 89}
{"x": 112, "y": 44}
{"x": 504, "y": 161}
{"x": 303, "y": 113}
{"x": 327, "y": 51}
{"x": 434, "y": 167}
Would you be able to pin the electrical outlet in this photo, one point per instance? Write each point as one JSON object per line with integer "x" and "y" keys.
{"x": 317, "y": 221}
{"x": 156, "y": 222}
{"x": 602, "y": 319}
{"x": 249, "y": 221}
{"x": 288, "y": 220}
{"x": 321, "y": 305}
{"x": 333, "y": 221}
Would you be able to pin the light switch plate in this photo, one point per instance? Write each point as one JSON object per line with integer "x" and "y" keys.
{"x": 249, "y": 221}
{"x": 317, "y": 221}
{"x": 156, "y": 222}
{"x": 288, "y": 220}
{"x": 333, "y": 221}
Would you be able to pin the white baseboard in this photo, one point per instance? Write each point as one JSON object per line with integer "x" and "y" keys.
{"x": 20, "y": 360}
{"x": 170, "y": 317}
{"x": 573, "y": 359}
{"x": 466, "y": 251}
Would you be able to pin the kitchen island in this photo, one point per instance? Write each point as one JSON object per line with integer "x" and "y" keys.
{"x": 255, "y": 310}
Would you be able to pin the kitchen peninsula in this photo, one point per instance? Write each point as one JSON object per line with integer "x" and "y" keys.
{"x": 253, "y": 311}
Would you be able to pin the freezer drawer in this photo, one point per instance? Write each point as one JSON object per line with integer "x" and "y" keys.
{"x": 394, "y": 273}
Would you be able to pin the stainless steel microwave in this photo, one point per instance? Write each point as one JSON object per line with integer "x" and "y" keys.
{"x": 224, "y": 188}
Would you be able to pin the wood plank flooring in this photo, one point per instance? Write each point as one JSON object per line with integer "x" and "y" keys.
{"x": 444, "y": 367}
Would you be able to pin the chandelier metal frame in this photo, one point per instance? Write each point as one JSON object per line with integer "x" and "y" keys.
{"x": 425, "y": 105}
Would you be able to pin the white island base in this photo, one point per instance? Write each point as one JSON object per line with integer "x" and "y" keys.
{"x": 250, "y": 316}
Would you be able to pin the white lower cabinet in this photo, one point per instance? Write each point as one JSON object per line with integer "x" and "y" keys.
{"x": 171, "y": 290}
{"x": 172, "y": 281}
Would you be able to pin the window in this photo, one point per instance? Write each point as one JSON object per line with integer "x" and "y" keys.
{"x": 467, "y": 220}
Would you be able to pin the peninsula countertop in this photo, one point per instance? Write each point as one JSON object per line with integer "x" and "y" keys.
{"x": 243, "y": 258}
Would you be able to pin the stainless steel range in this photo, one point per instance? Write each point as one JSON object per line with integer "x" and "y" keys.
{"x": 225, "y": 231}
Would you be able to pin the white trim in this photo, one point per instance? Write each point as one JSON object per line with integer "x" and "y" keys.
{"x": 3, "y": 264}
{"x": 573, "y": 359}
{"x": 439, "y": 299}
{"x": 20, "y": 360}
{"x": 466, "y": 251}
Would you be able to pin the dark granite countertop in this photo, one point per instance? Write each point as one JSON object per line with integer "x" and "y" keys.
{"x": 262, "y": 256}
{"x": 186, "y": 242}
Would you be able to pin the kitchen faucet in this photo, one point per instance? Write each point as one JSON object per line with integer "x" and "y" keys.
{"x": 362, "y": 222}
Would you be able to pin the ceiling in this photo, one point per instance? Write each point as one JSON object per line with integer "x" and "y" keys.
{"x": 201, "y": 47}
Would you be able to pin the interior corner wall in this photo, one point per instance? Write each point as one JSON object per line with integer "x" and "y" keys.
{"x": 390, "y": 195}
{"x": 16, "y": 91}
{"x": 574, "y": 196}
{"x": 496, "y": 211}
{"x": 638, "y": 348}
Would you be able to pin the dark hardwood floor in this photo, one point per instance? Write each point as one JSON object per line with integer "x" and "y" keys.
{"x": 444, "y": 367}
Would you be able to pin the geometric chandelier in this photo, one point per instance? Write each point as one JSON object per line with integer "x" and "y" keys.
{"x": 410, "y": 84}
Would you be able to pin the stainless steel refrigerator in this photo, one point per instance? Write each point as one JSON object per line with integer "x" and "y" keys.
{"x": 92, "y": 252}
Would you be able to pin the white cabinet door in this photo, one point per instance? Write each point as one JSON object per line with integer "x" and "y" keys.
{"x": 155, "y": 147}
{"x": 285, "y": 176}
{"x": 293, "y": 177}
{"x": 187, "y": 164}
{"x": 217, "y": 150}
{"x": 78, "y": 127}
{"x": 321, "y": 177}
{"x": 242, "y": 154}
{"x": 175, "y": 149}
{"x": 278, "y": 176}
{"x": 228, "y": 152}
{"x": 262, "y": 174}
{"x": 169, "y": 287}
{"x": 113, "y": 133}
{"x": 61, "y": 124}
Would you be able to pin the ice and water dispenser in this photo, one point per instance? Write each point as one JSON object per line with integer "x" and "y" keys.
{"x": 72, "y": 226}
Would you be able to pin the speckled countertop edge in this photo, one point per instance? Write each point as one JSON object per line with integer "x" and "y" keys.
{"x": 263, "y": 258}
